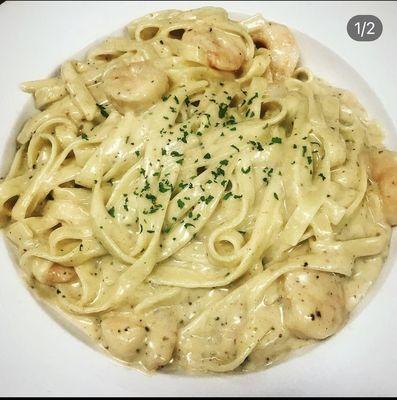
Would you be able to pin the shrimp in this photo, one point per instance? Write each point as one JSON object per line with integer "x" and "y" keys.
{"x": 222, "y": 51}
{"x": 161, "y": 338}
{"x": 314, "y": 304}
{"x": 284, "y": 51}
{"x": 137, "y": 85}
{"x": 149, "y": 340}
{"x": 59, "y": 274}
{"x": 123, "y": 337}
{"x": 383, "y": 170}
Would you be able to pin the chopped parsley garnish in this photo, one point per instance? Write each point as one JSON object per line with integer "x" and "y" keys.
{"x": 209, "y": 199}
{"x": 256, "y": 145}
{"x": 180, "y": 203}
{"x": 151, "y": 197}
{"x": 275, "y": 196}
{"x": 164, "y": 186}
{"x": 207, "y": 156}
{"x": 125, "y": 202}
{"x": 222, "y": 110}
{"x": 246, "y": 171}
{"x": 153, "y": 209}
{"x": 218, "y": 172}
{"x": 111, "y": 212}
{"x": 276, "y": 140}
{"x": 103, "y": 111}
{"x": 84, "y": 136}
{"x": 252, "y": 98}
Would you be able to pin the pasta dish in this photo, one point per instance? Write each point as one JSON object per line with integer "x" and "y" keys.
{"x": 193, "y": 199}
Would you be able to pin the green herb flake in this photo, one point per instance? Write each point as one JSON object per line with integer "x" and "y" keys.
{"x": 227, "y": 195}
{"x": 276, "y": 140}
{"x": 249, "y": 102}
{"x": 103, "y": 111}
{"x": 222, "y": 110}
{"x": 180, "y": 203}
{"x": 151, "y": 197}
{"x": 209, "y": 199}
{"x": 164, "y": 187}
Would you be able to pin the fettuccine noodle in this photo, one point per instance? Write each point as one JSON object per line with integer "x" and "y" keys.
{"x": 191, "y": 198}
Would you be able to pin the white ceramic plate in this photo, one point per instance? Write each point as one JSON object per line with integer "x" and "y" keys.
{"x": 39, "y": 357}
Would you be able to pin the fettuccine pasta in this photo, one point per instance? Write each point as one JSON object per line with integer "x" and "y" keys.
{"x": 192, "y": 199}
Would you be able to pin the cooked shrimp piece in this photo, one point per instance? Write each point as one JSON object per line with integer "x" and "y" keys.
{"x": 284, "y": 51}
{"x": 149, "y": 340}
{"x": 136, "y": 86}
{"x": 59, "y": 274}
{"x": 161, "y": 339}
{"x": 222, "y": 51}
{"x": 123, "y": 337}
{"x": 314, "y": 304}
{"x": 383, "y": 170}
